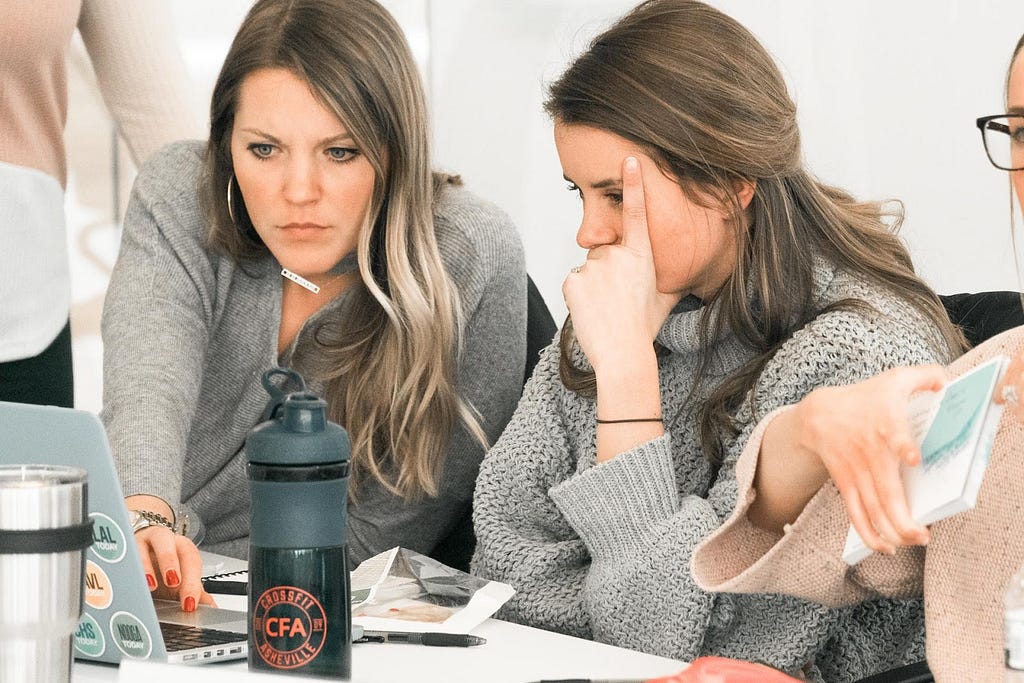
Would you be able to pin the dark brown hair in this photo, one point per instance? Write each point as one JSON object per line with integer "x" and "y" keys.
{"x": 697, "y": 91}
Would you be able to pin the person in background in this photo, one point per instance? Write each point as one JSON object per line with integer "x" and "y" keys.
{"x": 841, "y": 449}
{"x": 317, "y": 167}
{"x": 140, "y": 74}
{"x": 722, "y": 281}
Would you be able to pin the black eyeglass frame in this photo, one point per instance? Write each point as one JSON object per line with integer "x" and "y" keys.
{"x": 982, "y": 122}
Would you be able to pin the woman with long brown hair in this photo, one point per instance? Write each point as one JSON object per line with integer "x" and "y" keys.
{"x": 310, "y": 232}
{"x": 722, "y": 281}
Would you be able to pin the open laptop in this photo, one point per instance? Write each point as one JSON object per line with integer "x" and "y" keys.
{"x": 119, "y": 618}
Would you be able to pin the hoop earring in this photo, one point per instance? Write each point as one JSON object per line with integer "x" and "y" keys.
{"x": 231, "y": 199}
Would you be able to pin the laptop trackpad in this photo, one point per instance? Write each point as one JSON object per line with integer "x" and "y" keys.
{"x": 205, "y": 616}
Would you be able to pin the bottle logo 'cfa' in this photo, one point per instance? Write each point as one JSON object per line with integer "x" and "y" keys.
{"x": 289, "y": 627}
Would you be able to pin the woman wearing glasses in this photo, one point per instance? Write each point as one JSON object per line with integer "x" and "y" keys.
{"x": 791, "y": 543}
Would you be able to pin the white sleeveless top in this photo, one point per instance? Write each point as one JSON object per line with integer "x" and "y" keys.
{"x": 34, "y": 275}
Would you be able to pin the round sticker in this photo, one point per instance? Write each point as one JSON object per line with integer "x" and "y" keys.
{"x": 130, "y": 635}
{"x": 289, "y": 627}
{"x": 89, "y": 638}
{"x": 98, "y": 592}
{"x": 107, "y": 538}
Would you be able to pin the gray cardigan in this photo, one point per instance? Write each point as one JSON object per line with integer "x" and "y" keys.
{"x": 603, "y": 550}
{"x": 187, "y": 334}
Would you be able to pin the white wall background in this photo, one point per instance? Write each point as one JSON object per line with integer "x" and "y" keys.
{"x": 887, "y": 94}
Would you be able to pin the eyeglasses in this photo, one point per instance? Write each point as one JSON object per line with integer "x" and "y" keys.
{"x": 1003, "y": 136}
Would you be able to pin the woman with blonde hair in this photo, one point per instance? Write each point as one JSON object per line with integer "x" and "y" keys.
{"x": 721, "y": 282}
{"x": 309, "y": 232}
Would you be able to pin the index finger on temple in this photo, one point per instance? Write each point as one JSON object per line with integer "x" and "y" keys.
{"x": 634, "y": 206}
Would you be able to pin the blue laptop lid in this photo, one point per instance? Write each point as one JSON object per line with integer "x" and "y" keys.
{"x": 119, "y": 618}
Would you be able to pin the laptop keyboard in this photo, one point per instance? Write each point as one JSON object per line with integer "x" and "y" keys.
{"x": 179, "y": 637}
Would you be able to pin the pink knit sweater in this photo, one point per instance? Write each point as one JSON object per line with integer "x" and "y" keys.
{"x": 139, "y": 71}
{"x": 142, "y": 78}
{"x": 962, "y": 572}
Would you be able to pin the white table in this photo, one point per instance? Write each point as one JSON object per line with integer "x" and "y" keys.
{"x": 512, "y": 654}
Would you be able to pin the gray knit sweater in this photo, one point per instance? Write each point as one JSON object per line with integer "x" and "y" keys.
{"x": 188, "y": 333}
{"x": 603, "y": 550}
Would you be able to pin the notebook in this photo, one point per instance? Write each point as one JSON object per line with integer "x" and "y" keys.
{"x": 120, "y": 617}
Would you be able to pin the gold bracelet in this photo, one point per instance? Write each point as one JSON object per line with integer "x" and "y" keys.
{"x": 632, "y": 419}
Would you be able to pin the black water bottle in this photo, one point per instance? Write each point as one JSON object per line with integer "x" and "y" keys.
{"x": 300, "y": 618}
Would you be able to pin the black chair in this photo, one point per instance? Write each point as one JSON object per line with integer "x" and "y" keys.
{"x": 980, "y": 316}
{"x": 540, "y": 326}
{"x": 456, "y": 549}
{"x": 918, "y": 672}
{"x": 984, "y": 314}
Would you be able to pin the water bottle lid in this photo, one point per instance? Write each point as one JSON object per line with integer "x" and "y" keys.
{"x": 304, "y": 412}
{"x": 295, "y": 430}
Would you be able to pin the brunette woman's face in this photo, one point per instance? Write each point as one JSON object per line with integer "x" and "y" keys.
{"x": 694, "y": 247}
{"x": 1015, "y": 99}
{"x": 307, "y": 186}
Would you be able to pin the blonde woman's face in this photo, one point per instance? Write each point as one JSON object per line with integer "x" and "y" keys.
{"x": 694, "y": 248}
{"x": 306, "y": 185}
{"x": 1015, "y": 98}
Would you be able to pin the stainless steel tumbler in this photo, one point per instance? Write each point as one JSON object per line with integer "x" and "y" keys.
{"x": 44, "y": 530}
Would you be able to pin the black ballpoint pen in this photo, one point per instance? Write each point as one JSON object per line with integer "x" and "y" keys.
{"x": 434, "y": 639}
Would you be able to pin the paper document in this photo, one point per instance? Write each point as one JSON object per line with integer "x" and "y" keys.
{"x": 955, "y": 427}
{"x": 401, "y": 590}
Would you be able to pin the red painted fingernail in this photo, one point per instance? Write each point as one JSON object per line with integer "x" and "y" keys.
{"x": 151, "y": 581}
{"x": 172, "y": 579}
{"x": 190, "y": 604}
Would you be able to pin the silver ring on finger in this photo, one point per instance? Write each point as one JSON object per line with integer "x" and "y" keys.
{"x": 1009, "y": 394}
{"x": 576, "y": 269}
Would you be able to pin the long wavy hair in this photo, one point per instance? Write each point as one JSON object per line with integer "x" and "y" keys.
{"x": 392, "y": 363}
{"x": 696, "y": 91}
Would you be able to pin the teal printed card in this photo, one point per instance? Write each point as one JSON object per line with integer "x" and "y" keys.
{"x": 959, "y": 415}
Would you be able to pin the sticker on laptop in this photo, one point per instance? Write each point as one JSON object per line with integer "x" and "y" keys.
{"x": 108, "y": 541}
{"x": 98, "y": 591}
{"x": 89, "y": 638}
{"x": 130, "y": 635}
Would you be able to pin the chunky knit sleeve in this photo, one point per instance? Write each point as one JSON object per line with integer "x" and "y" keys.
{"x": 805, "y": 561}
{"x": 603, "y": 550}
{"x": 522, "y": 539}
